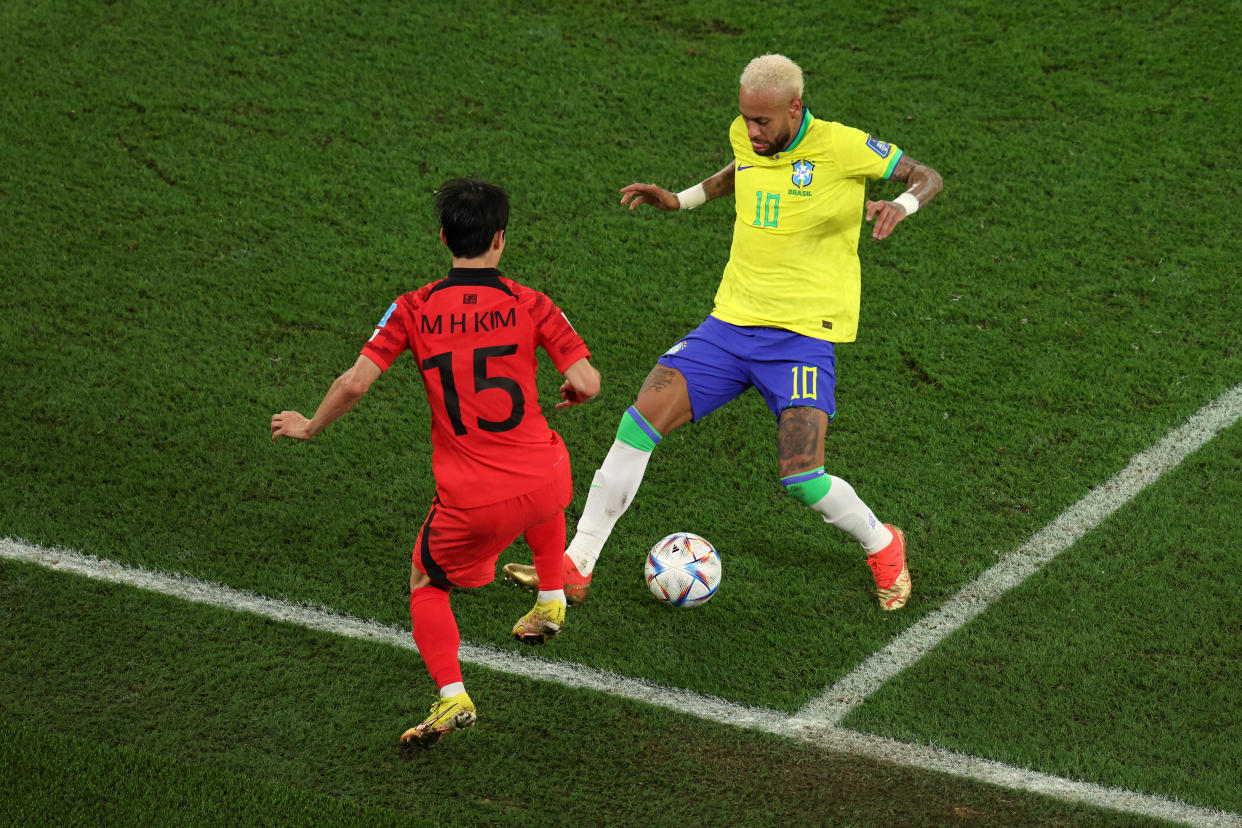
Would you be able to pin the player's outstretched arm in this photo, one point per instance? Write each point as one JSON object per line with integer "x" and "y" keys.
{"x": 718, "y": 185}
{"x": 636, "y": 194}
{"x": 581, "y": 383}
{"x": 924, "y": 184}
{"x": 345, "y": 391}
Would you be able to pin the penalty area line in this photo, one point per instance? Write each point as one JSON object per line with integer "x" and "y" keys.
{"x": 589, "y": 678}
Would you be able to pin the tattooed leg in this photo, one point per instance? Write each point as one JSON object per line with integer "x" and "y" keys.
{"x": 664, "y": 399}
{"x": 803, "y": 476}
{"x": 801, "y": 440}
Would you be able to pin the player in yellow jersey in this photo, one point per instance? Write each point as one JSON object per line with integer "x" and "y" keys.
{"x": 789, "y": 293}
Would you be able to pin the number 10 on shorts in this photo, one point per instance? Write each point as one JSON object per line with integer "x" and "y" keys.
{"x": 805, "y": 378}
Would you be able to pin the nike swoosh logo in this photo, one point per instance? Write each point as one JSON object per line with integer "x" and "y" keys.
{"x": 747, "y": 167}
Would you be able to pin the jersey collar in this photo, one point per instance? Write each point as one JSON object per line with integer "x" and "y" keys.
{"x": 806, "y": 122}
{"x": 472, "y": 277}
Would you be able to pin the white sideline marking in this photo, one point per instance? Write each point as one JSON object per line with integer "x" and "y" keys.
{"x": 915, "y": 641}
{"x": 325, "y": 620}
{"x": 816, "y": 722}
{"x": 939, "y": 760}
{"x": 683, "y": 701}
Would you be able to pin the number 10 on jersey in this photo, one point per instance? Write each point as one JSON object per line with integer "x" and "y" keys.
{"x": 805, "y": 379}
{"x": 767, "y": 209}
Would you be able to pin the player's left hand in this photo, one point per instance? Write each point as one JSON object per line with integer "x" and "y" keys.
{"x": 887, "y": 214}
{"x": 570, "y": 395}
{"x": 290, "y": 424}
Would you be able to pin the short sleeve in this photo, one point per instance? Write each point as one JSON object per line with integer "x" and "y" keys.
{"x": 555, "y": 334}
{"x": 391, "y": 336}
{"x": 862, "y": 155}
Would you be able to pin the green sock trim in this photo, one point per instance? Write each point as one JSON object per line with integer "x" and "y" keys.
{"x": 808, "y": 487}
{"x": 635, "y": 431}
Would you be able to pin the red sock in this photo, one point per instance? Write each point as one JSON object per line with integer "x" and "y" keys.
{"x": 435, "y": 633}
{"x": 547, "y": 547}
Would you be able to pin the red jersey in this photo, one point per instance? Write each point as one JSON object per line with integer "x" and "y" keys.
{"x": 473, "y": 335}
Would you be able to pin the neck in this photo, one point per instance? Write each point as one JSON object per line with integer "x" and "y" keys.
{"x": 489, "y": 259}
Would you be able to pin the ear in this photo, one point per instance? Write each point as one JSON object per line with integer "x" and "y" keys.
{"x": 498, "y": 240}
{"x": 443, "y": 238}
{"x": 795, "y": 108}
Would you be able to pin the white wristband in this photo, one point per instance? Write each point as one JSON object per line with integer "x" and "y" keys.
{"x": 908, "y": 201}
{"x": 693, "y": 197}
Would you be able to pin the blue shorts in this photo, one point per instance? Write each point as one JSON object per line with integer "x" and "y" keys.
{"x": 720, "y": 361}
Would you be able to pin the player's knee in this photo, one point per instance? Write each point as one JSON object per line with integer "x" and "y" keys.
{"x": 421, "y": 580}
{"x": 807, "y": 487}
{"x": 665, "y": 400}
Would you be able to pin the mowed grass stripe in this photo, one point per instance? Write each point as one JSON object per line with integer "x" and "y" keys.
{"x": 704, "y": 707}
{"x": 912, "y": 644}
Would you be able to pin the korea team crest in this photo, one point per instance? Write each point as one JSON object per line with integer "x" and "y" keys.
{"x": 802, "y": 170}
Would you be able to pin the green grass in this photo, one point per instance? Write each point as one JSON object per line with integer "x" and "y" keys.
{"x": 210, "y": 716}
{"x": 77, "y": 780}
{"x": 205, "y": 209}
{"x": 1122, "y": 645}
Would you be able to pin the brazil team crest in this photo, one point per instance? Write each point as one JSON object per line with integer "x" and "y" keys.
{"x": 802, "y": 170}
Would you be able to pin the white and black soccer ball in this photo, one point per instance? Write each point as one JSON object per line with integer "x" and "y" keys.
{"x": 683, "y": 570}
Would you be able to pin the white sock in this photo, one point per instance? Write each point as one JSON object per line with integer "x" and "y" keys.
{"x": 452, "y": 689}
{"x": 844, "y": 509}
{"x": 612, "y": 491}
{"x": 550, "y": 595}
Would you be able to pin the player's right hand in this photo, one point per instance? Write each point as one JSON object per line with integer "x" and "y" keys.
{"x": 290, "y": 424}
{"x": 636, "y": 194}
{"x": 570, "y": 395}
{"x": 582, "y": 382}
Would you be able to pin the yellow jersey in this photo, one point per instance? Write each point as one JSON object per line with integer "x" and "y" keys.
{"x": 794, "y": 259}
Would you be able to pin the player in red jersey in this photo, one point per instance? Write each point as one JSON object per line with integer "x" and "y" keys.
{"x": 500, "y": 471}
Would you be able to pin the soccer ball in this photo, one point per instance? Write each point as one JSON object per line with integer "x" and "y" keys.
{"x": 683, "y": 570}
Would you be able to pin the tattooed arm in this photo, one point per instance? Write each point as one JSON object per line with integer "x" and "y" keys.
{"x": 720, "y": 184}
{"x": 924, "y": 183}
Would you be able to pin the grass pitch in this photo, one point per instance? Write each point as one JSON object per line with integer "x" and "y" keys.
{"x": 206, "y": 209}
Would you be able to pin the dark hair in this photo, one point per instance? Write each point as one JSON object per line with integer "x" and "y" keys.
{"x": 471, "y": 212}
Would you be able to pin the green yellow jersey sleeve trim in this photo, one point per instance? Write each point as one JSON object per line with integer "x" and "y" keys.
{"x": 892, "y": 165}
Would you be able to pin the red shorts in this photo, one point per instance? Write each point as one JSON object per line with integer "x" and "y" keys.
{"x": 460, "y": 547}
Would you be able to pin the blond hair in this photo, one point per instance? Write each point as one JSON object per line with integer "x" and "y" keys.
{"x": 773, "y": 72}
